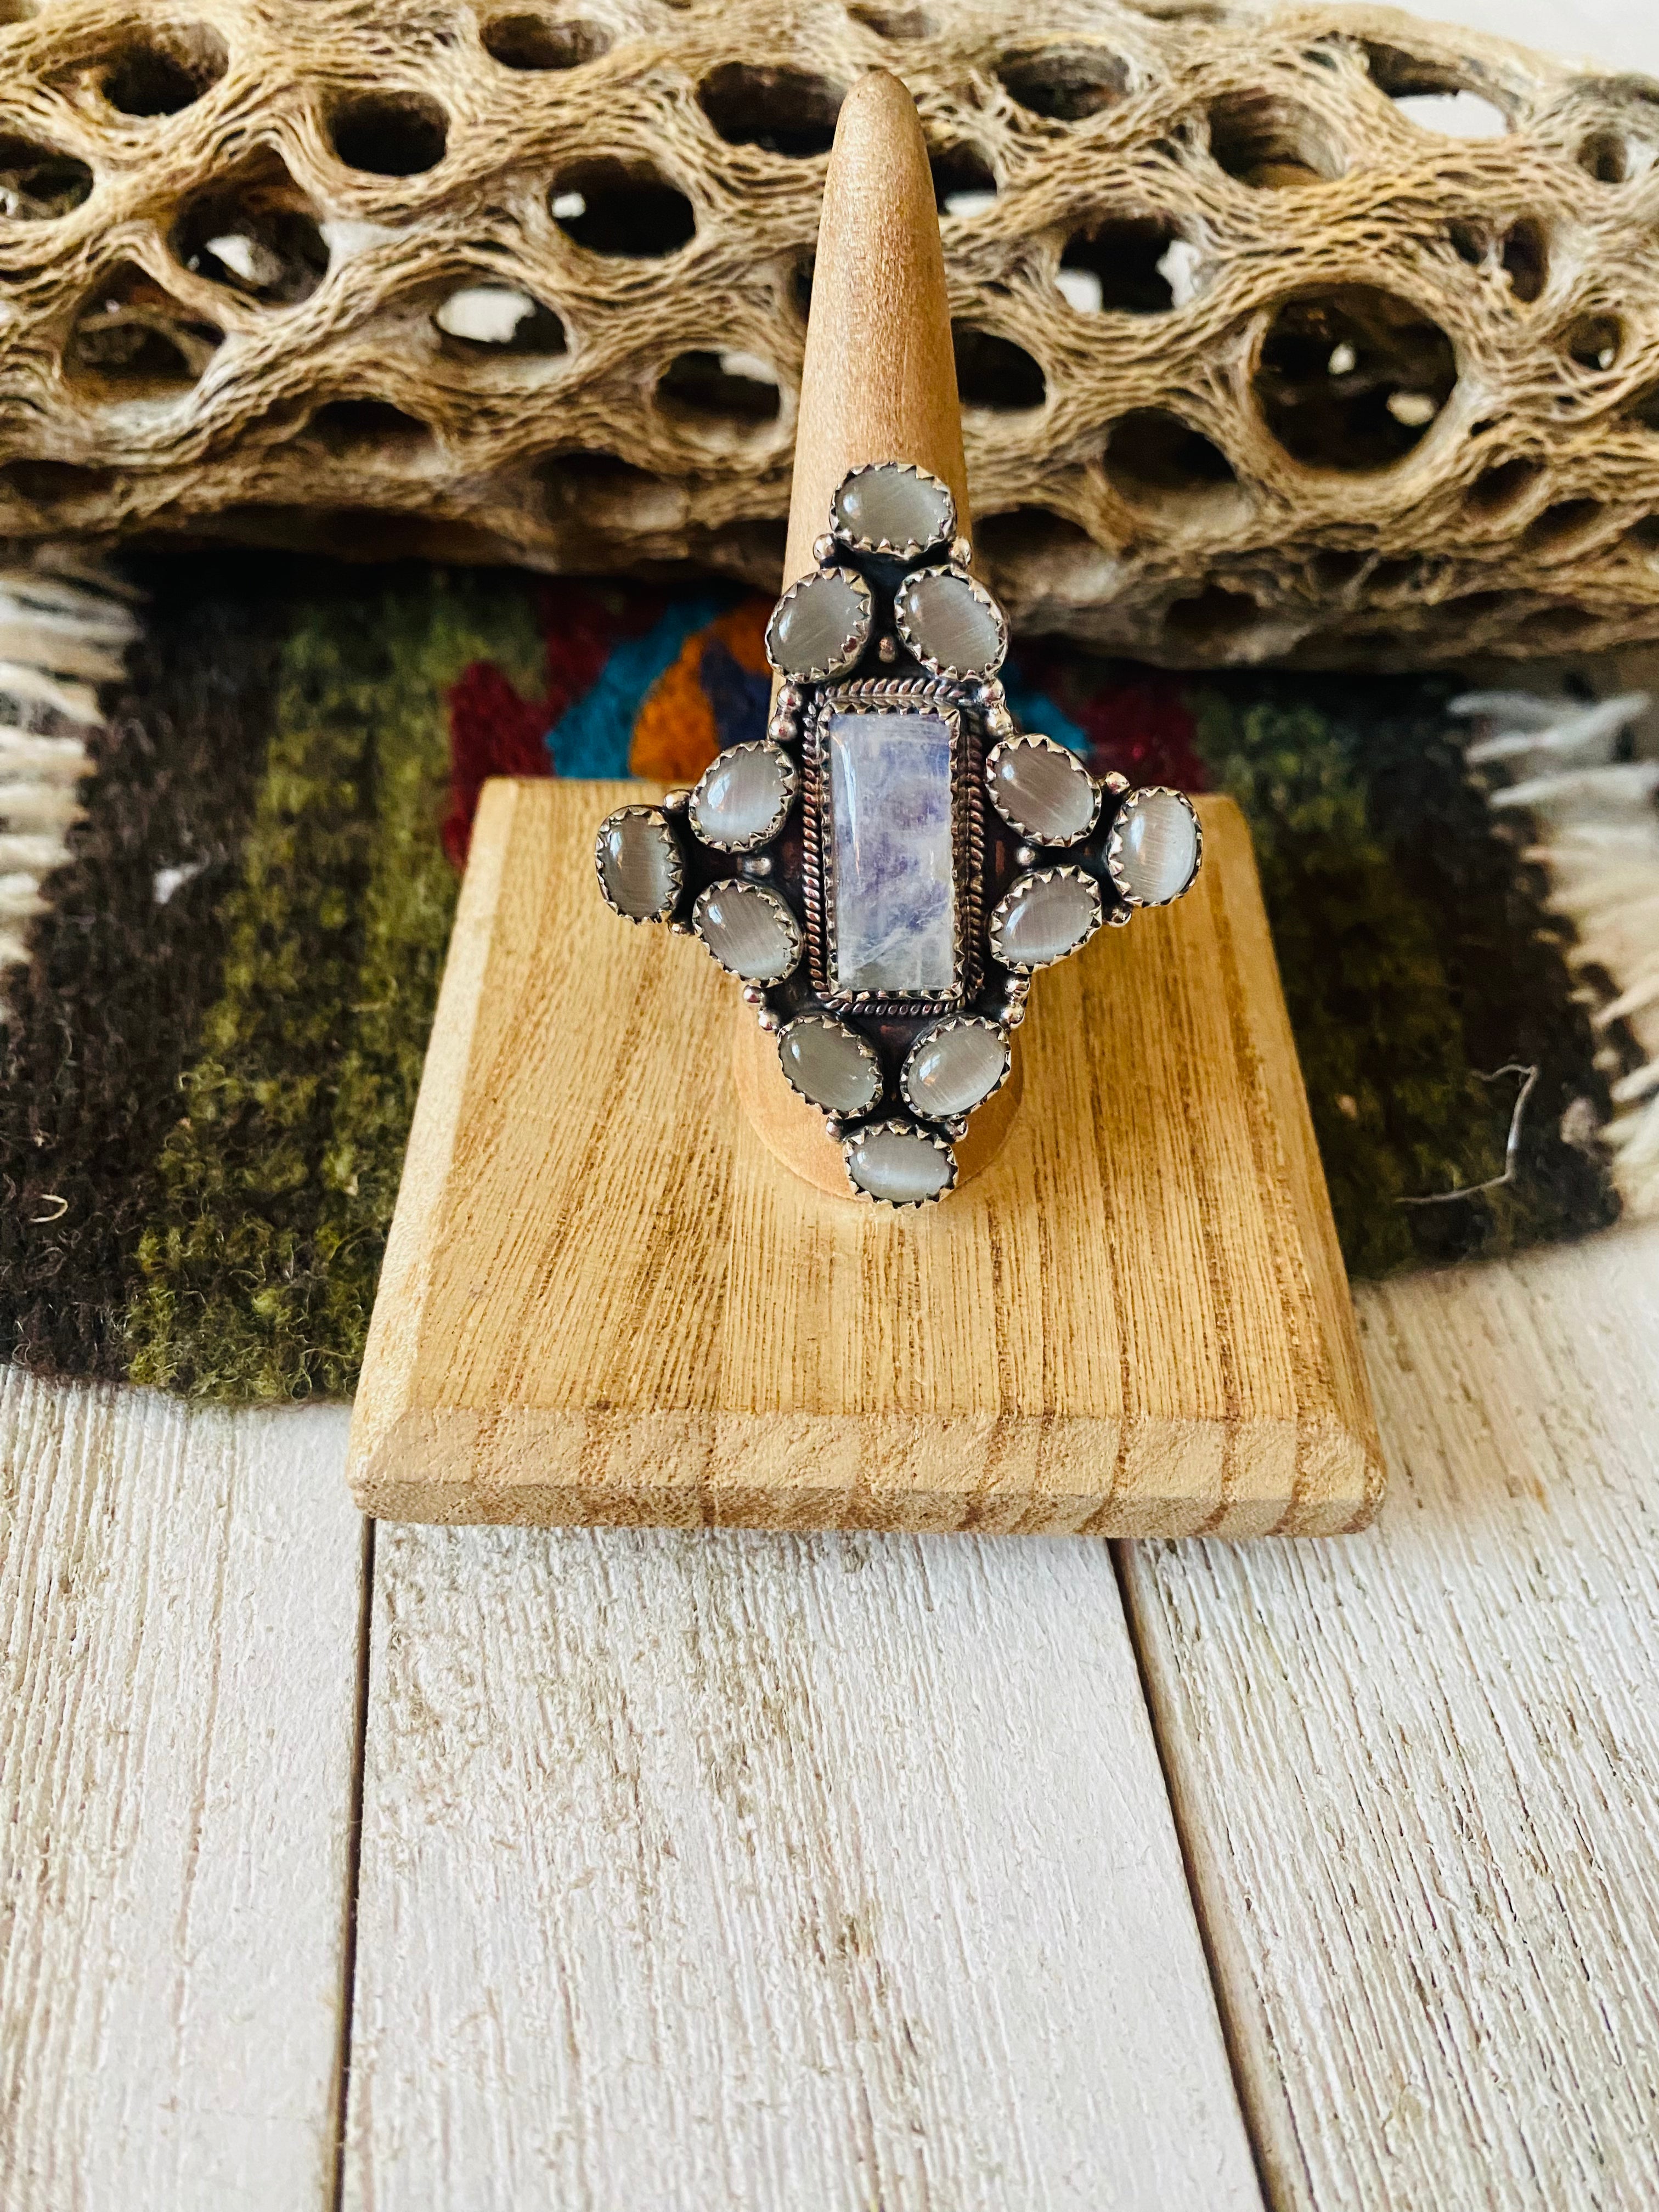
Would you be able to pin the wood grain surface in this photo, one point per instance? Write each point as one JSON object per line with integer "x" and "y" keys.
{"x": 604, "y": 1301}
{"x": 732, "y": 1873}
{"x": 1418, "y": 1775}
{"x": 180, "y": 1596}
{"x": 623, "y": 1789}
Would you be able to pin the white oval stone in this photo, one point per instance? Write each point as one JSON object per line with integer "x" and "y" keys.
{"x": 638, "y": 865}
{"x": 949, "y": 624}
{"x": 742, "y": 798}
{"x": 828, "y": 1063}
{"x": 1041, "y": 920}
{"x": 1154, "y": 851}
{"x": 749, "y": 930}
{"x": 822, "y": 625}
{"x": 894, "y": 508}
{"x": 953, "y": 1068}
{"x": 1042, "y": 790}
{"x": 898, "y": 1165}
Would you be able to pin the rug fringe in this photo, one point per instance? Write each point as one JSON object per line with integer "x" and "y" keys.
{"x": 66, "y": 624}
{"x": 1599, "y": 845}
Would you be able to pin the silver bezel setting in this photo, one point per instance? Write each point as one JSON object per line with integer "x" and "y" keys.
{"x": 898, "y": 695}
{"x": 956, "y": 1022}
{"x": 676, "y": 880}
{"x": 1114, "y": 844}
{"x": 902, "y": 1128}
{"x": 851, "y": 645}
{"x": 764, "y": 835}
{"x": 815, "y": 1017}
{"x": 1004, "y": 906}
{"x": 911, "y": 546}
{"x": 751, "y": 889}
{"x": 1024, "y": 828}
{"x": 939, "y": 667}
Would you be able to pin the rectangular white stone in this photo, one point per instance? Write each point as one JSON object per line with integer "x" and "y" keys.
{"x": 895, "y": 877}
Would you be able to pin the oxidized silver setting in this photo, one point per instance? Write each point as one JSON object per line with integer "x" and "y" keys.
{"x": 881, "y": 670}
{"x": 676, "y": 863}
{"x": 910, "y": 1129}
{"x": 943, "y": 668}
{"x": 903, "y": 695}
{"x": 841, "y": 534}
{"x": 1114, "y": 844}
{"x": 791, "y": 790}
{"x": 1026, "y": 738}
{"x": 853, "y": 642}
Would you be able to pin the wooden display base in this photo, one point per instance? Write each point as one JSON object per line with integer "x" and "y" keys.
{"x": 605, "y": 1301}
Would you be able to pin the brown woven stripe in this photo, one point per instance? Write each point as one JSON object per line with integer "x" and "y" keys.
{"x": 107, "y": 1011}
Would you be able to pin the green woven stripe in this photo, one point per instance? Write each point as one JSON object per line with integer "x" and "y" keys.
{"x": 409, "y": 903}
{"x": 256, "y": 1281}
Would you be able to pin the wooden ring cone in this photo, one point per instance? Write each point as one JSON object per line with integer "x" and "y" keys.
{"x": 878, "y": 384}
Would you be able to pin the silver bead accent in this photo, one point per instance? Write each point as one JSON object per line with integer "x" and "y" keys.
{"x": 832, "y": 1128}
{"x": 888, "y": 649}
{"x": 767, "y": 1020}
{"x": 1015, "y": 1015}
{"x": 753, "y": 995}
{"x": 681, "y": 929}
{"x": 760, "y": 864}
{"x": 823, "y": 548}
{"x": 1114, "y": 782}
{"x": 788, "y": 698}
{"x": 961, "y": 552}
{"x": 676, "y": 801}
{"x": 1119, "y": 917}
{"x": 1025, "y": 857}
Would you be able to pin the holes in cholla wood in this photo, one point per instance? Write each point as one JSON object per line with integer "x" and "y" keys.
{"x": 994, "y": 374}
{"x": 1153, "y": 456}
{"x": 53, "y": 486}
{"x": 784, "y": 111}
{"x": 37, "y": 183}
{"x": 165, "y": 71}
{"x": 734, "y": 389}
{"x": 1561, "y": 527}
{"x": 1643, "y": 410}
{"x": 799, "y": 284}
{"x": 612, "y": 208}
{"x": 900, "y": 25}
{"x": 522, "y": 41}
{"x": 1594, "y": 343}
{"x": 1213, "y": 617}
{"x": 1433, "y": 96}
{"x": 1500, "y": 490}
{"x": 965, "y": 182}
{"x": 1030, "y": 533}
{"x": 401, "y": 133}
{"x": 132, "y": 339}
{"x": 487, "y": 320}
{"x": 1068, "y": 84}
{"x": 1521, "y": 250}
{"x": 256, "y": 233}
{"x": 605, "y": 493}
{"x": 1352, "y": 378}
{"x": 1120, "y": 264}
{"x": 1271, "y": 144}
{"x": 367, "y": 429}
{"x": 1645, "y": 535}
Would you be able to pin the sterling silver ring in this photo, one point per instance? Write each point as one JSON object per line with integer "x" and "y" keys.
{"x": 889, "y": 868}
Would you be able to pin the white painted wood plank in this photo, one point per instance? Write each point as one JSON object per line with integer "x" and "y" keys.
{"x": 1417, "y": 1769}
{"x": 179, "y": 1593}
{"x": 713, "y": 1872}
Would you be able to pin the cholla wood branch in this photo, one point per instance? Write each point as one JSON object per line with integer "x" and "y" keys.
{"x": 1256, "y": 362}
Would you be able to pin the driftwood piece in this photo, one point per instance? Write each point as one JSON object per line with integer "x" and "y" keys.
{"x": 1256, "y": 364}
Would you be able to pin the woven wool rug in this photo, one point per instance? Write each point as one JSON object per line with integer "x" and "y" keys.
{"x": 233, "y": 869}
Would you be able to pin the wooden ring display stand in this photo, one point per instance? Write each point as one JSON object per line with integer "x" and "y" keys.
{"x": 604, "y": 1298}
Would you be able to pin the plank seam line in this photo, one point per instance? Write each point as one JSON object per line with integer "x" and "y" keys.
{"x": 354, "y": 1866}
{"x": 1189, "y": 1874}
